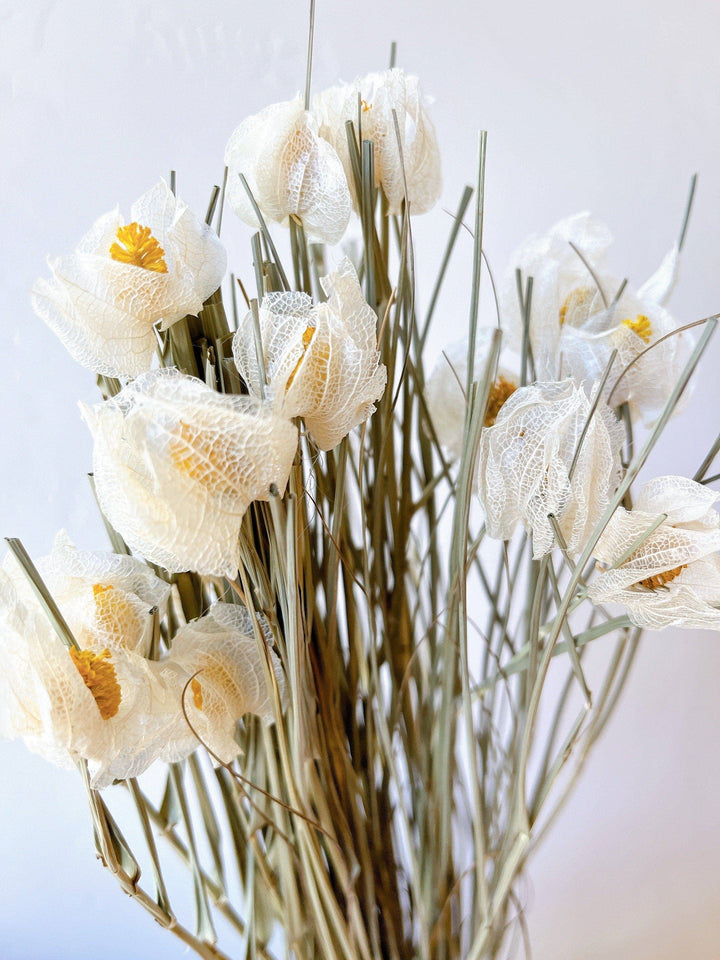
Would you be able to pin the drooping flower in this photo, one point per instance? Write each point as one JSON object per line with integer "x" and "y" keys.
{"x": 104, "y": 299}
{"x": 221, "y": 659}
{"x": 672, "y": 578}
{"x": 176, "y": 466}
{"x": 579, "y": 315}
{"x": 446, "y": 386}
{"x": 103, "y": 701}
{"x": 322, "y": 361}
{"x": 291, "y": 171}
{"x": 525, "y": 462}
{"x": 370, "y": 101}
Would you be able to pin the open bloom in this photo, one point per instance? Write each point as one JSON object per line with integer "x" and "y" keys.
{"x": 291, "y": 171}
{"x": 672, "y": 577}
{"x": 375, "y": 97}
{"x": 177, "y": 465}
{"x": 127, "y": 275}
{"x": 577, "y": 318}
{"x": 525, "y": 461}
{"x": 321, "y": 362}
{"x": 445, "y": 390}
{"x": 103, "y": 701}
{"x": 223, "y": 661}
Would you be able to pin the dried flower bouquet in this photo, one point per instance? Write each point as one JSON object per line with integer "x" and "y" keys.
{"x": 351, "y": 593}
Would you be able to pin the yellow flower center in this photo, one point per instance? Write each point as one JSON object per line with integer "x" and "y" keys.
{"x": 499, "y": 392}
{"x": 197, "y": 693}
{"x": 114, "y": 613}
{"x": 365, "y": 106}
{"x": 205, "y": 459}
{"x": 641, "y": 326}
{"x": 136, "y": 245}
{"x": 99, "y": 677}
{"x": 660, "y": 579}
{"x": 578, "y": 301}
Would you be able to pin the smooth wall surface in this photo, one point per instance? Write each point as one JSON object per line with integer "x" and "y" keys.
{"x": 610, "y": 107}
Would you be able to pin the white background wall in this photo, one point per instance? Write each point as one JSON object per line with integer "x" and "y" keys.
{"x": 609, "y": 106}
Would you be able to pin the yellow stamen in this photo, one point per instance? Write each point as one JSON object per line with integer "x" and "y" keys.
{"x": 308, "y": 334}
{"x": 138, "y": 247}
{"x": 114, "y": 612}
{"x": 99, "y": 677}
{"x": 641, "y": 326}
{"x": 578, "y": 299}
{"x": 197, "y": 693}
{"x": 660, "y": 579}
{"x": 203, "y": 458}
{"x": 499, "y": 392}
{"x": 365, "y": 106}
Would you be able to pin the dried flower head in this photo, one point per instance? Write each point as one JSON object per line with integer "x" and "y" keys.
{"x": 445, "y": 390}
{"x": 291, "y": 171}
{"x": 125, "y": 276}
{"x": 223, "y": 661}
{"x": 378, "y": 95}
{"x": 102, "y": 702}
{"x": 672, "y": 576}
{"x": 321, "y": 362}
{"x": 525, "y": 461}
{"x": 177, "y": 465}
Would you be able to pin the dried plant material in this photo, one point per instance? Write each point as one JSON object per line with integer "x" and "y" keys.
{"x": 673, "y": 577}
{"x": 321, "y": 362}
{"x": 223, "y": 660}
{"x": 291, "y": 171}
{"x": 374, "y": 97}
{"x": 176, "y": 466}
{"x": 525, "y": 461}
{"x": 104, "y": 299}
{"x": 445, "y": 390}
{"x": 103, "y": 702}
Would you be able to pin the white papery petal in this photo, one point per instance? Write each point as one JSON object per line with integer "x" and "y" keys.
{"x": 557, "y": 272}
{"x": 104, "y": 310}
{"x": 331, "y": 380}
{"x": 290, "y": 170}
{"x": 525, "y": 459}
{"x": 685, "y": 546}
{"x": 222, "y": 654}
{"x": 44, "y": 699}
{"x": 660, "y": 285}
{"x": 445, "y": 389}
{"x": 380, "y": 94}
{"x": 176, "y": 466}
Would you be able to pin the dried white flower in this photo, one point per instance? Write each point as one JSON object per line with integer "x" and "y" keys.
{"x": 321, "y": 362}
{"x": 177, "y": 465}
{"x": 291, "y": 171}
{"x": 673, "y": 577}
{"x": 576, "y": 322}
{"x": 104, "y": 299}
{"x": 445, "y": 390}
{"x": 104, "y": 702}
{"x": 377, "y": 95}
{"x": 525, "y": 461}
{"x": 222, "y": 656}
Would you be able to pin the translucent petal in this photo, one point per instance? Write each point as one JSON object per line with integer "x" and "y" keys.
{"x": 321, "y": 362}
{"x": 290, "y": 170}
{"x": 525, "y": 458}
{"x": 220, "y": 652}
{"x": 380, "y": 94}
{"x": 176, "y": 465}
{"x": 104, "y": 310}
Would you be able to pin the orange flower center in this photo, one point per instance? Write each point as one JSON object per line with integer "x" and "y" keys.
{"x": 136, "y": 245}
{"x": 99, "y": 677}
{"x": 660, "y": 579}
{"x": 499, "y": 392}
{"x": 641, "y": 326}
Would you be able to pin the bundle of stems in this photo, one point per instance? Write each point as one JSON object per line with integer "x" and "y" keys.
{"x": 441, "y": 705}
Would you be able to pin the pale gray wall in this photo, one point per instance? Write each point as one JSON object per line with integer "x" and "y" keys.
{"x": 609, "y": 106}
